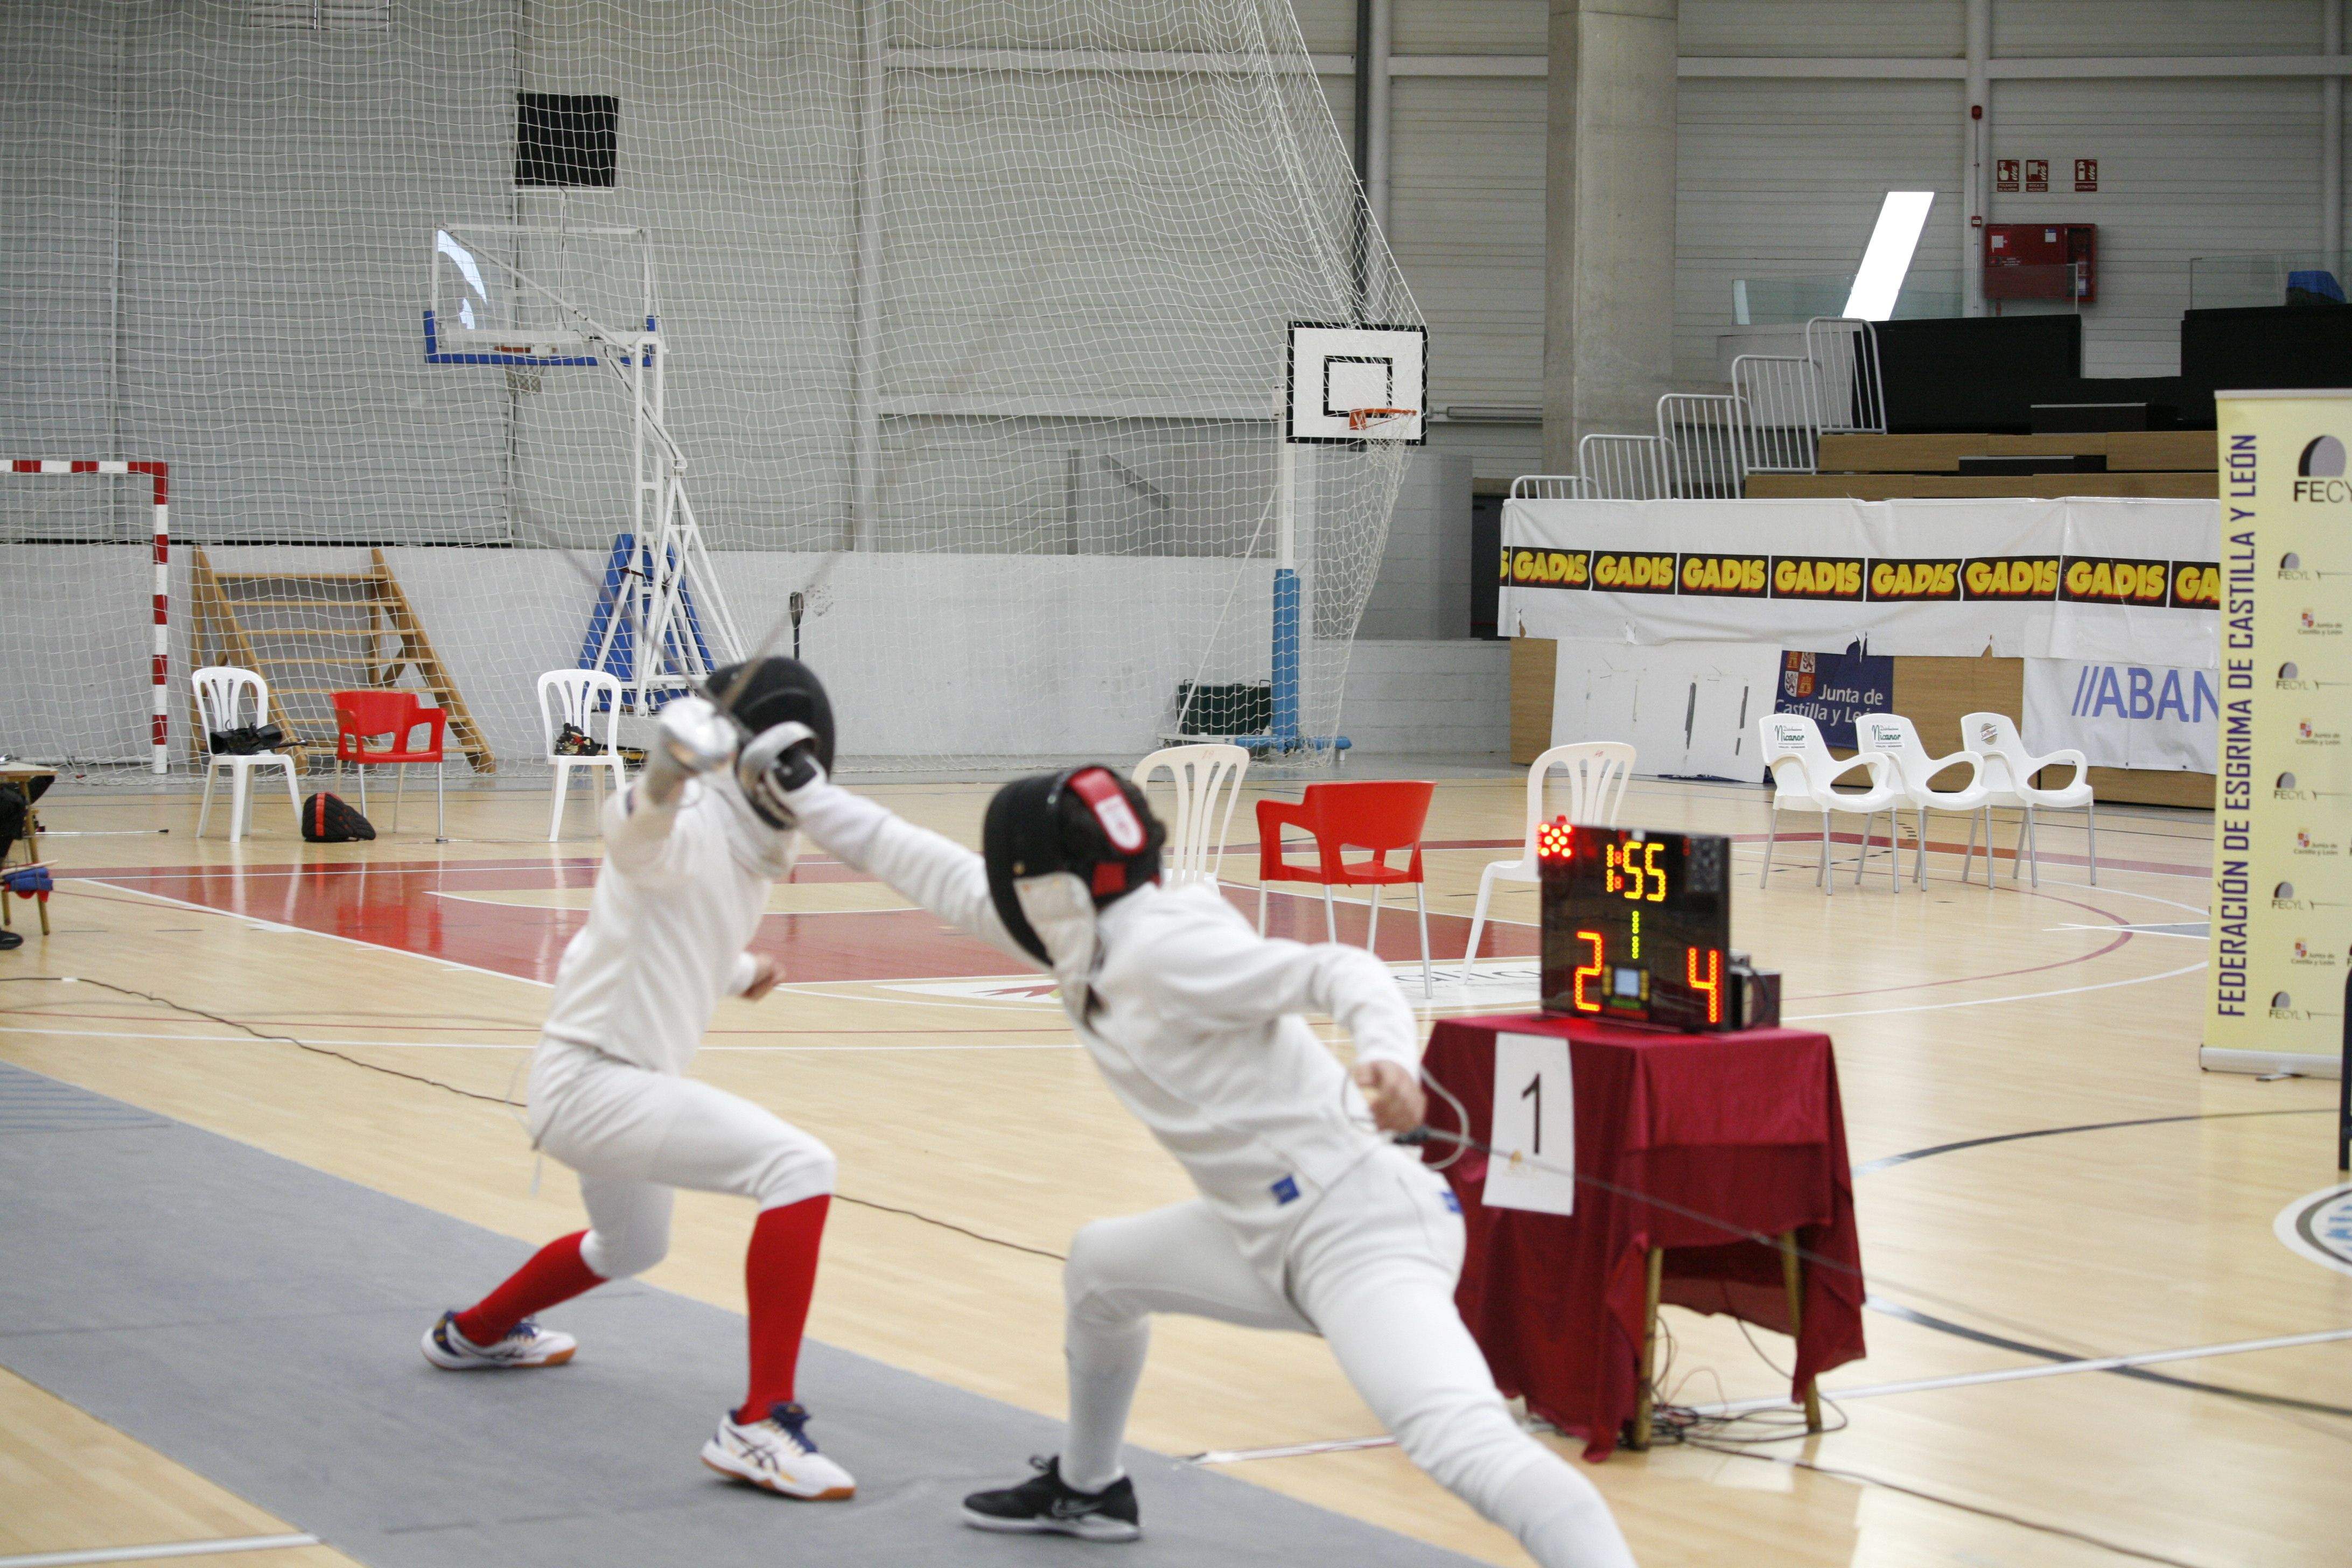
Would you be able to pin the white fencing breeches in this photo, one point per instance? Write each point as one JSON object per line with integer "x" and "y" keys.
{"x": 1372, "y": 1268}
{"x": 635, "y": 1136}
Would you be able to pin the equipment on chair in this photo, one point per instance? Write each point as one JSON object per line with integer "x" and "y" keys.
{"x": 28, "y": 882}
{"x": 1085, "y": 822}
{"x": 329, "y": 819}
{"x": 247, "y": 739}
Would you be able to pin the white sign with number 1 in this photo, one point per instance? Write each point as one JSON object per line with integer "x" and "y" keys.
{"x": 1534, "y": 1126}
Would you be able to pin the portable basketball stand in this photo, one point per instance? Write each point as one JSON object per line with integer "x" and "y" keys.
{"x": 542, "y": 327}
{"x": 1346, "y": 386}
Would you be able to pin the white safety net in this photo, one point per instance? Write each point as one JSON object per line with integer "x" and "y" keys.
{"x": 972, "y": 322}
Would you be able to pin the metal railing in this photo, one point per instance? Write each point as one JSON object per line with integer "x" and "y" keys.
{"x": 1551, "y": 486}
{"x": 1780, "y": 432}
{"x": 1702, "y": 435}
{"x": 1852, "y": 397}
{"x": 1707, "y": 444}
{"x": 1623, "y": 467}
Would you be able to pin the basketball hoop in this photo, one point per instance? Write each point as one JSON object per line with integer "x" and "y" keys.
{"x": 1377, "y": 419}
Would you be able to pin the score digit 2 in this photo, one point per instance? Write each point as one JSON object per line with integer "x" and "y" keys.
{"x": 1590, "y": 972}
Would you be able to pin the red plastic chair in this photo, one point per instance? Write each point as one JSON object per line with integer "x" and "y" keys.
{"x": 1381, "y": 817}
{"x": 361, "y": 716}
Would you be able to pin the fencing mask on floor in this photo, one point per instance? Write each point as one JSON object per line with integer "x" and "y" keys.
{"x": 1060, "y": 847}
{"x": 762, "y": 697}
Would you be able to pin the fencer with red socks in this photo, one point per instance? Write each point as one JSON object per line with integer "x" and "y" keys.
{"x": 691, "y": 851}
{"x": 1309, "y": 1218}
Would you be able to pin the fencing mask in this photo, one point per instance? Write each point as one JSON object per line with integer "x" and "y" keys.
{"x": 1058, "y": 846}
{"x": 775, "y": 692}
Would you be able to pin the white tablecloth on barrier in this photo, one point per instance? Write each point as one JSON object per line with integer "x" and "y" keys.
{"x": 2120, "y": 580}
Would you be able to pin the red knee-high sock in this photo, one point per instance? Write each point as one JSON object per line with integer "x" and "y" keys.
{"x": 556, "y": 1272}
{"x": 779, "y": 1276}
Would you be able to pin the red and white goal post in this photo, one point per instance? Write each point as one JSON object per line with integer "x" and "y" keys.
{"x": 158, "y": 724}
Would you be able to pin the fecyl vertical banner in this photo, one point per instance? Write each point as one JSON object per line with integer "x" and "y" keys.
{"x": 2282, "y": 819}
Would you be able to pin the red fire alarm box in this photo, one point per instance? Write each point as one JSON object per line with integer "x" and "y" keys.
{"x": 2041, "y": 261}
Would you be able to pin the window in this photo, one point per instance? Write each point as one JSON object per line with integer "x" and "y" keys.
{"x": 565, "y": 138}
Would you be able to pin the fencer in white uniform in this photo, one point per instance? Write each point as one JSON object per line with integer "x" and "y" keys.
{"x": 691, "y": 851}
{"x": 1309, "y": 1218}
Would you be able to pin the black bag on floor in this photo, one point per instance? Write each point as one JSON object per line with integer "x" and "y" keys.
{"x": 328, "y": 819}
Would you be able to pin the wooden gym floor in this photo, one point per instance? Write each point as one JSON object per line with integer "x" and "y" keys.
{"x": 2043, "y": 1174}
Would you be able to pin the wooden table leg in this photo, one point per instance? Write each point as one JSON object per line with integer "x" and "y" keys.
{"x": 1645, "y": 1403}
{"x": 32, "y": 847}
{"x": 1792, "y": 1277}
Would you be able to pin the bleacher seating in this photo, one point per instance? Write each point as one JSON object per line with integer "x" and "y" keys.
{"x": 2173, "y": 463}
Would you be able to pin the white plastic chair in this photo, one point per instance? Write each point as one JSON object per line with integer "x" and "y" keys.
{"x": 1203, "y": 774}
{"x": 1802, "y": 773}
{"x": 2008, "y": 768}
{"x": 1892, "y": 736}
{"x": 1597, "y": 772}
{"x": 221, "y": 692}
{"x": 576, "y": 697}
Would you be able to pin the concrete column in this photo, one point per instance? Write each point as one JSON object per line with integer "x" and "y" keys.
{"x": 1375, "y": 85}
{"x": 1976, "y": 158}
{"x": 2331, "y": 141}
{"x": 1609, "y": 229}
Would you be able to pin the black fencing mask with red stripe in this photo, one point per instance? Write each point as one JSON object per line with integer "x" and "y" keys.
{"x": 1087, "y": 822}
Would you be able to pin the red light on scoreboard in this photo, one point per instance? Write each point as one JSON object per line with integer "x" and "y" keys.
{"x": 1555, "y": 840}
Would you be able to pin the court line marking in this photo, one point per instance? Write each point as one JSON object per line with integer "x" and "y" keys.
{"x": 1874, "y": 1391}
{"x": 493, "y": 1046}
{"x": 2046, "y": 1369}
{"x": 2143, "y": 930}
{"x": 279, "y": 927}
{"x": 500, "y": 975}
{"x": 213, "y": 1548}
{"x": 2137, "y": 1373}
{"x": 1888, "y": 1162}
{"x": 1996, "y": 1001}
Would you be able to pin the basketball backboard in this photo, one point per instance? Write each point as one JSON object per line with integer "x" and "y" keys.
{"x": 520, "y": 294}
{"x": 1338, "y": 370}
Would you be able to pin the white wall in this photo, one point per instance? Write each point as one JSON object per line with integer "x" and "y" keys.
{"x": 1423, "y": 587}
{"x": 1449, "y": 700}
{"x": 910, "y": 645}
{"x": 1783, "y": 177}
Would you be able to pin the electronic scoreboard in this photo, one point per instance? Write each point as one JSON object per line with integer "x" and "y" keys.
{"x": 1637, "y": 930}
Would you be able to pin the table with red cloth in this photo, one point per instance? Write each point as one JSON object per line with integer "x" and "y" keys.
{"x": 1745, "y": 1127}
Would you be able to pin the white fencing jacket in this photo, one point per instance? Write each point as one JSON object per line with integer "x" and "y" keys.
{"x": 678, "y": 901}
{"x": 1195, "y": 1024}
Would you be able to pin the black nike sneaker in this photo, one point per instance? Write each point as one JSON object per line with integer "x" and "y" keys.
{"x": 1043, "y": 1503}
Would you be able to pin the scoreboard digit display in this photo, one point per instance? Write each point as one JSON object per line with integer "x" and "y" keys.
{"x": 1637, "y": 926}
